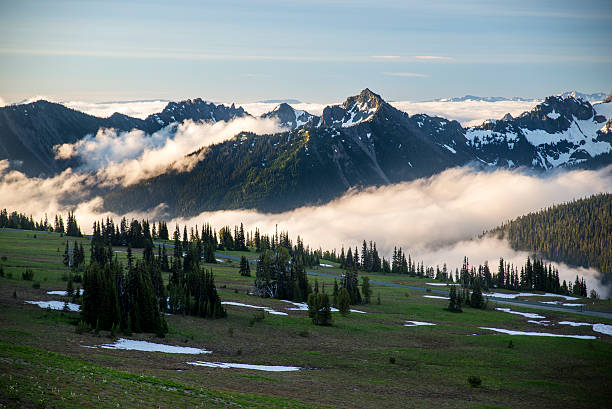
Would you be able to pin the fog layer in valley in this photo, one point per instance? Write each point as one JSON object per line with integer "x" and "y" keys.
{"x": 434, "y": 218}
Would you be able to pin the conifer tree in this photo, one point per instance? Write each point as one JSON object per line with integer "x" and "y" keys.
{"x": 366, "y": 291}
{"x": 245, "y": 269}
{"x": 344, "y": 300}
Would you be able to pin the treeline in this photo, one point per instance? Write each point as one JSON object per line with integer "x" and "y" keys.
{"x": 576, "y": 233}
{"x": 133, "y": 298}
{"x": 117, "y": 298}
{"x": 15, "y": 220}
{"x": 534, "y": 275}
{"x": 370, "y": 261}
{"x": 192, "y": 289}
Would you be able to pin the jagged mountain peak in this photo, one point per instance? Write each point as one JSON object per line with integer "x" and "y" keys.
{"x": 290, "y": 117}
{"x": 366, "y": 100}
{"x": 356, "y": 109}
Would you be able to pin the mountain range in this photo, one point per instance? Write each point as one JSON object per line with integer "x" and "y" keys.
{"x": 594, "y": 97}
{"x": 363, "y": 142}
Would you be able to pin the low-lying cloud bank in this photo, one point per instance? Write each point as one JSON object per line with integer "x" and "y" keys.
{"x": 124, "y": 158}
{"x": 434, "y": 219}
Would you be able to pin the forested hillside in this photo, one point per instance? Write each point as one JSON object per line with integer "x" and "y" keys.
{"x": 578, "y": 233}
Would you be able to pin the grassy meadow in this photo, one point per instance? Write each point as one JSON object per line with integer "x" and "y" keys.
{"x": 361, "y": 361}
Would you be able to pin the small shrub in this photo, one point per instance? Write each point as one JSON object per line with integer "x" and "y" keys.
{"x": 239, "y": 352}
{"x": 3, "y": 258}
{"x": 428, "y": 290}
{"x": 34, "y": 236}
{"x": 510, "y": 344}
{"x": 82, "y": 327}
{"x": 474, "y": 381}
{"x": 9, "y": 275}
{"x": 304, "y": 333}
{"x": 378, "y": 299}
{"x": 36, "y": 285}
{"x": 392, "y": 360}
{"x": 27, "y": 275}
{"x": 77, "y": 278}
{"x": 14, "y": 293}
{"x": 1, "y": 270}
{"x": 257, "y": 317}
{"x": 113, "y": 331}
{"x": 407, "y": 295}
{"x": 230, "y": 331}
{"x": 235, "y": 291}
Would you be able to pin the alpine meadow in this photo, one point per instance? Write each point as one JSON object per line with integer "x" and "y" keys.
{"x": 322, "y": 204}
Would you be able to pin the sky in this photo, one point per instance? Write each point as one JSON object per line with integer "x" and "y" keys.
{"x": 311, "y": 50}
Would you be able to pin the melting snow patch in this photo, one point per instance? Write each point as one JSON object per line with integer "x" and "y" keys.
{"x": 574, "y": 324}
{"x": 417, "y": 323}
{"x": 438, "y": 297}
{"x": 545, "y": 323}
{"x": 325, "y": 265}
{"x": 603, "y": 328}
{"x": 441, "y": 284}
{"x": 220, "y": 260}
{"x": 538, "y": 334}
{"x": 302, "y": 306}
{"x": 268, "y": 368}
{"x": 259, "y": 307}
{"x": 133, "y": 345}
{"x": 57, "y": 292}
{"x": 55, "y": 305}
{"x": 514, "y": 295}
{"x": 568, "y": 304}
{"x": 524, "y": 314}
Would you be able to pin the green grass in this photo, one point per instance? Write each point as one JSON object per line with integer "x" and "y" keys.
{"x": 34, "y": 377}
{"x": 43, "y": 362}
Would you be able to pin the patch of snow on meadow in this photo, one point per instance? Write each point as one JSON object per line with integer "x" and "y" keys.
{"x": 603, "y": 328}
{"x": 442, "y": 284}
{"x": 133, "y": 345}
{"x": 524, "y": 314}
{"x": 325, "y": 265}
{"x": 438, "y": 297}
{"x": 545, "y": 323}
{"x": 225, "y": 365}
{"x": 220, "y": 260}
{"x": 259, "y": 307}
{"x": 55, "y": 305}
{"x": 417, "y": 323}
{"x": 514, "y": 295}
{"x": 62, "y": 293}
{"x": 537, "y": 334}
{"x": 575, "y": 324}
{"x": 302, "y": 306}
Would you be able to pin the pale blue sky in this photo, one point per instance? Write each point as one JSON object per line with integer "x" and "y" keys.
{"x": 315, "y": 51}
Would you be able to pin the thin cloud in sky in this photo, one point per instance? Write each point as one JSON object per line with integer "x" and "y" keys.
{"x": 433, "y": 58}
{"x": 406, "y": 74}
{"x": 386, "y": 57}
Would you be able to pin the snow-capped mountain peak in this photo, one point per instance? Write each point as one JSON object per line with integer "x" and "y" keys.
{"x": 354, "y": 110}
{"x": 289, "y": 117}
{"x": 561, "y": 131}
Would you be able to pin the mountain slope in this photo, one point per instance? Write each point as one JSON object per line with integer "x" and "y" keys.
{"x": 558, "y": 132}
{"x": 29, "y": 132}
{"x": 289, "y": 117}
{"x": 577, "y": 233}
{"x": 307, "y": 166}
